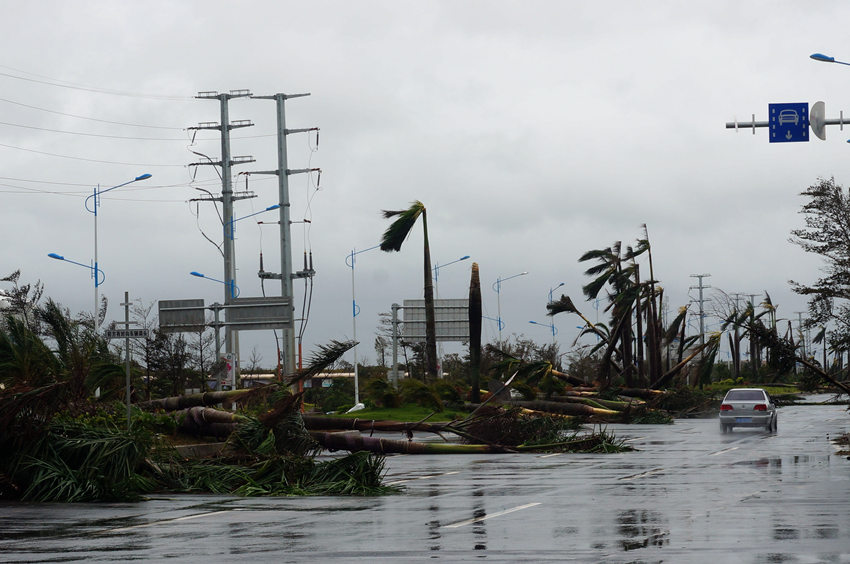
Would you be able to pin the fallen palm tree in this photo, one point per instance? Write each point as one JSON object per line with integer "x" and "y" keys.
{"x": 326, "y": 423}
{"x": 356, "y": 442}
{"x": 567, "y": 408}
{"x": 204, "y": 399}
{"x": 615, "y": 405}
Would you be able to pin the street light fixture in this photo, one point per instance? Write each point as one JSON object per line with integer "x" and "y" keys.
{"x": 826, "y": 59}
{"x": 497, "y": 287}
{"x": 551, "y": 299}
{"x": 234, "y": 289}
{"x": 552, "y": 292}
{"x": 95, "y": 197}
{"x": 355, "y": 311}
{"x": 498, "y": 321}
{"x": 549, "y": 326}
{"x": 234, "y": 220}
{"x": 436, "y": 270}
{"x": 96, "y": 273}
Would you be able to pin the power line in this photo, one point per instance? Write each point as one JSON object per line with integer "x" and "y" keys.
{"x": 95, "y": 90}
{"x": 87, "y": 160}
{"x": 88, "y": 185}
{"x": 88, "y": 117}
{"x": 94, "y": 134}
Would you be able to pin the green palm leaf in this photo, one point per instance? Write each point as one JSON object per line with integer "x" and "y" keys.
{"x": 399, "y": 230}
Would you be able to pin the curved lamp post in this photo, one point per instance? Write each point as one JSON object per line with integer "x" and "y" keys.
{"x": 355, "y": 311}
{"x": 96, "y": 273}
{"x": 552, "y": 292}
{"x": 499, "y": 323}
{"x": 497, "y": 287}
{"x": 234, "y": 220}
{"x": 234, "y": 289}
{"x": 436, "y": 270}
{"x": 95, "y": 199}
{"x": 547, "y": 325}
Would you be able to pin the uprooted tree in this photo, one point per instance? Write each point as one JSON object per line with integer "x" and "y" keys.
{"x": 637, "y": 349}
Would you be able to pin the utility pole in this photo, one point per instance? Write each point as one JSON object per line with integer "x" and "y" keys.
{"x": 802, "y": 334}
{"x": 736, "y": 358}
{"x": 755, "y": 350}
{"x": 227, "y": 198}
{"x": 394, "y": 373}
{"x": 701, "y": 300}
{"x": 286, "y": 275}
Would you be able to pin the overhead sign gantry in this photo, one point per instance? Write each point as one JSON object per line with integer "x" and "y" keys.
{"x": 790, "y": 122}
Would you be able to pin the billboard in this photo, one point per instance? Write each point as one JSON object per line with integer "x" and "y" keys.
{"x": 176, "y": 316}
{"x": 451, "y": 316}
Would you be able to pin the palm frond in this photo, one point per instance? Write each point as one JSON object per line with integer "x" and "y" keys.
{"x": 324, "y": 357}
{"x": 564, "y": 305}
{"x": 400, "y": 229}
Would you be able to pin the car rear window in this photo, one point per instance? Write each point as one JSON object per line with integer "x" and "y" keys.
{"x": 745, "y": 395}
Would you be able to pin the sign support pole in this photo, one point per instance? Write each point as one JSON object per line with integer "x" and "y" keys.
{"x": 126, "y": 305}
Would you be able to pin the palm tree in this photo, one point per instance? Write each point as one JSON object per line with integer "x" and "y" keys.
{"x": 475, "y": 333}
{"x": 24, "y": 358}
{"x": 82, "y": 356}
{"x": 392, "y": 240}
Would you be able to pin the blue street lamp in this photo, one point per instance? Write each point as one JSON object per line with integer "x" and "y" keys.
{"x": 499, "y": 323}
{"x": 355, "y": 311}
{"x": 234, "y": 289}
{"x": 552, "y": 291}
{"x": 497, "y": 287}
{"x": 826, "y": 59}
{"x": 234, "y": 220}
{"x": 95, "y": 199}
{"x": 96, "y": 273}
{"x": 436, "y": 270}
{"x": 550, "y": 326}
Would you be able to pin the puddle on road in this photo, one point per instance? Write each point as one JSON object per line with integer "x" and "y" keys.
{"x": 642, "y": 528}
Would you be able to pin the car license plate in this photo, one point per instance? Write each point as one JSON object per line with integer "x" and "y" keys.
{"x": 743, "y": 420}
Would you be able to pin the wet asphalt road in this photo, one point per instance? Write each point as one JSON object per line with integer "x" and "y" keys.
{"x": 690, "y": 494}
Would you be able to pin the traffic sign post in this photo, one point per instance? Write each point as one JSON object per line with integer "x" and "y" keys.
{"x": 126, "y": 333}
{"x": 789, "y": 123}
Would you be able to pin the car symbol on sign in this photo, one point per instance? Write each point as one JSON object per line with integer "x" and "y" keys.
{"x": 788, "y": 116}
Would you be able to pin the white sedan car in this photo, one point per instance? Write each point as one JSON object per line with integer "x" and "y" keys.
{"x": 747, "y": 407}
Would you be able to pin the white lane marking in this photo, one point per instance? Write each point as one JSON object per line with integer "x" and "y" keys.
{"x": 642, "y": 474}
{"x": 160, "y": 522}
{"x": 484, "y": 518}
{"x": 397, "y": 482}
{"x": 730, "y": 449}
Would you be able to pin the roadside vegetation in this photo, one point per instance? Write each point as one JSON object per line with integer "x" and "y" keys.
{"x": 65, "y": 435}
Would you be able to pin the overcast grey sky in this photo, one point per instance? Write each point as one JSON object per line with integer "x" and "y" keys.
{"x": 532, "y": 131}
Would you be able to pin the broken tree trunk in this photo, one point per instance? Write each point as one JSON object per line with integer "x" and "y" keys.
{"x": 355, "y": 442}
{"x": 566, "y": 408}
{"x": 207, "y": 399}
{"x": 206, "y": 422}
{"x": 322, "y": 423}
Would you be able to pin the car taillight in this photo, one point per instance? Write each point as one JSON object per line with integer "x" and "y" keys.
{"x": 725, "y": 407}
{"x": 760, "y": 407}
